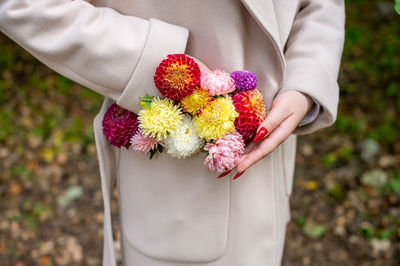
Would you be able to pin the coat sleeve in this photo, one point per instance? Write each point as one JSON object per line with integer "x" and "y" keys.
{"x": 106, "y": 51}
{"x": 313, "y": 53}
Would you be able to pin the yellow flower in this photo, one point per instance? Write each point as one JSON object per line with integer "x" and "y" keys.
{"x": 161, "y": 118}
{"x": 216, "y": 119}
{"x": 196, "y": 101}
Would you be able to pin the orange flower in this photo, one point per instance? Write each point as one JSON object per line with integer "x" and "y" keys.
{"x": 177, "y": 76}
{"x": 252, "y": 111}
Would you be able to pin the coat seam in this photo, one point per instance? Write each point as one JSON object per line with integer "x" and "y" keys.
{"x": 255, "y": 13}
{"x": 275, "y": 176}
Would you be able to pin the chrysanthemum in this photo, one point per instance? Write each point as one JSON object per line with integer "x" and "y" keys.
{"x": 196, "y": 101}
{"x": 177, "y": 76}
{"x": 224, "y": 153}
{"x": 183, "y": 141}
{"x": 216, "y": 119}
{"x": 161, "y": 118}
{"x": 252, "y": 111}
{"x": 244, "y": 80}
{"x": 141, "y": 143}
{"x": 119, "y": 125}
{"x": 218, "y": 82}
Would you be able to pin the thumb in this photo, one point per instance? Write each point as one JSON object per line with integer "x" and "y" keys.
{"x": 203, "y": 67}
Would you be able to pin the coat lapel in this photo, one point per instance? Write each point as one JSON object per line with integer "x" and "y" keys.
{"x": 264, "y": 13}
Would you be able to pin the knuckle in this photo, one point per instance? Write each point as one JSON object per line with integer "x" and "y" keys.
{"x": 244, "y": 165}
{"x": 283, "y": 137}
{"x": 272, "y": 124}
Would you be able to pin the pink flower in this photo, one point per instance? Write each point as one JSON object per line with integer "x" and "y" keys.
{"x": 224, "y": 153}
{"x": 218, "y": 82}
{"x": 143, "y": 144}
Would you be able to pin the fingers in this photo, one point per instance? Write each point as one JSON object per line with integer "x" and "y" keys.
{"x": 286, "y": 112}
{"x": 275, "y": 117}
{"x": 267, "y": 145}
{"x": 249, "y": 147}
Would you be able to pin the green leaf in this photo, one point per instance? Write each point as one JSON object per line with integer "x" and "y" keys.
{"x": 330, "y": 159}
{"x": 385, "y": 234}
{"x": 336, "y": 192}
{"x": 394, "y": 183}
{"x": 152, "y": 153}
{"x": 367, "y": 230}
{"x": 147, "y": 99}
{"x": 72, "y": 193}
{"x": 159, "y": 148}
{"x": 314, "y": 230}
{"x": 397, "y": 6}
{"x": 301, "y": 221}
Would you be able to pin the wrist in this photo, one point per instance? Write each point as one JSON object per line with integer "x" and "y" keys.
{"x": 310, "y": 101}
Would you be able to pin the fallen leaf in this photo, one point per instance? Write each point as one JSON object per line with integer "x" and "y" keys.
{"x": 376, "y": 178}
{"x": 311, "y": 185}
{"x": 45, "y": 260}
{"x": 70, "y": 194}
{"x": 314, "y": 230}
{"x": 15, "y": 189}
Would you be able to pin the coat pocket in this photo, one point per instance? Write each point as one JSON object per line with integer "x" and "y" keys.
{"x": 171, "y": 209}
{"x": 288, "y": 159}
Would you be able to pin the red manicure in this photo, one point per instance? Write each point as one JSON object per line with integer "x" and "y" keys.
{"x": 238, "y": 174}
{"x": 224, "y": 174}
{"x": 260, "y": 134}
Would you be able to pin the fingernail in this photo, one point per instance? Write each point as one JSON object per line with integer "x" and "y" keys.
{"x": 260, "y": 134}
{"x": 224, "y": 174}
{"x": 238, "y": 174}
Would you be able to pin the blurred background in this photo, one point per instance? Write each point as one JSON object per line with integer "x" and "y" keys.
{"x": 346, "y": 199}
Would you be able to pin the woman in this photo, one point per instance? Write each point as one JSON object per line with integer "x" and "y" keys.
{"x": 175, "y": 212}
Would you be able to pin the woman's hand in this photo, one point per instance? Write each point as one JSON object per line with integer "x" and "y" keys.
{"x": 286, "y": 112}
{"x": 203, "y": 67}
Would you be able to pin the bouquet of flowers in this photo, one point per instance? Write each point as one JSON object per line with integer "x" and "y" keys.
{"x": 214, "y": 112}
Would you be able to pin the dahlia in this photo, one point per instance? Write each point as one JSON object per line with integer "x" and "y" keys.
{"x": 216, "y": 119}
{"x": 224, "y": 153}
{"x": 244, "y": 80}
{"x": 177, "y": 76}
{"x": 143, "y": 144}
{"x": 183, "y": 141}
{"x": 160, "y": 118}
{"x": 119, "y": 125}
{"x": 252, "y": 111}
{"x": 196, "y": 101}
{"x": 218, "y": 82}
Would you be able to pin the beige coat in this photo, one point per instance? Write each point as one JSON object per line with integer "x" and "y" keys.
{"x": 175, "y": 212}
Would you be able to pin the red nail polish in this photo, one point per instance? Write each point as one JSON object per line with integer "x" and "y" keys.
{"x": 238, "y": 174}
{"x": 260, "y": 134}
{"x": 224, "y": 174}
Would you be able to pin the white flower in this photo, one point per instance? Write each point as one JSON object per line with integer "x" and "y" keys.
{"x": 183, "y": 141}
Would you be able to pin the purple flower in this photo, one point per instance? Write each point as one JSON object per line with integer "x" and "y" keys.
{"x": 119, "y": 125}
{"x": 244, "y": 80}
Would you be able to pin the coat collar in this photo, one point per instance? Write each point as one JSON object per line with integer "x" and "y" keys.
{"x": 263, "y": 12}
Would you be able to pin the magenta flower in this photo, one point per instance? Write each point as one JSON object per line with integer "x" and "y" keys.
{"x": 244, "y": 80}
{"x": 224, "y": 153}
{"x": 218, "y": 82}
{"x": 119, "y": 125}
{"x": 143, "y": 144}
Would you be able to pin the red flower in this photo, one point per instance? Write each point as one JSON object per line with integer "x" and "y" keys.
{"x": 177, "y": 76}
{"x": 252, "y": 111}
{"x": 119, "y": 125}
